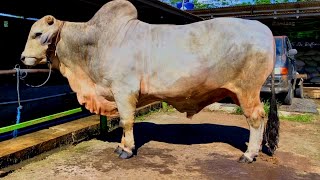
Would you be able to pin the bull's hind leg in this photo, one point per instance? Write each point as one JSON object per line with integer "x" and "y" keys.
{"x": 254, "y": 112}
{"x": 126, "y": 105}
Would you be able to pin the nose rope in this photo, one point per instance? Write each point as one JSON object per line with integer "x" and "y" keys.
{"x": 23, "y": 75}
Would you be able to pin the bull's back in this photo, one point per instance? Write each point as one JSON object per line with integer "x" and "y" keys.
{"x": 206, "y": 55}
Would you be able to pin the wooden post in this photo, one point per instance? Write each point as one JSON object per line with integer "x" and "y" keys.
{"x": 103, "y": 126}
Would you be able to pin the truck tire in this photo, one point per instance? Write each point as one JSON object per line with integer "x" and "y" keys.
{"x": 299, "y": 91}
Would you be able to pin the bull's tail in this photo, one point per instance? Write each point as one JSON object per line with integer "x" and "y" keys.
{"x": 272, "y": 127}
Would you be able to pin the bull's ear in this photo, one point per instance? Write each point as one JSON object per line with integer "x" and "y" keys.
{"x": 46, "y": 38}
{"x": 50, "y": 20}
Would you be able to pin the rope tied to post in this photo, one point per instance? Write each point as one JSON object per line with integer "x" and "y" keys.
{"x": 17, "y": 68}
{"x": 21, "y": 75}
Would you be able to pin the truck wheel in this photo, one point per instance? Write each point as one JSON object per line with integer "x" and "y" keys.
{"x": 288, "y": 97}
{"x": 299, "y": 91}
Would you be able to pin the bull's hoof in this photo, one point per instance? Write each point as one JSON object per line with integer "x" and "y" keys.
{"x": 125, "y": 155}
{"x": 244, "y": 159}
{"x": 118, "y": 150}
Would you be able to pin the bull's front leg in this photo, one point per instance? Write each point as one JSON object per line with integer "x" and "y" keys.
{"x": 126, "y": 103}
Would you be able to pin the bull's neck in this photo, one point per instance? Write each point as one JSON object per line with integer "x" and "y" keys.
{"x": 71, "y": 50}
{"x": 76, "y": 38}
{"x": 74, "y": 49}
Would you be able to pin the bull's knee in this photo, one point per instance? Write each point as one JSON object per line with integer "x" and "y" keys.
{"x": 255, "y": 116}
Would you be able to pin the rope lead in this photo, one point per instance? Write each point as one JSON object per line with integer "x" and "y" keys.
{"x": 17, "y": 68}
{"x": 21, "y": 75}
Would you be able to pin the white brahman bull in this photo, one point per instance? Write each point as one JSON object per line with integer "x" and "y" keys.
{"x": 115, "y": 63}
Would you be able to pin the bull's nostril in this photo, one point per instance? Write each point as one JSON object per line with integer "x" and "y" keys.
{"x": 22, "y": 58}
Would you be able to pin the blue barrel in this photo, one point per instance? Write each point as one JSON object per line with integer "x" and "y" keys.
{"x": 187, "y": 5}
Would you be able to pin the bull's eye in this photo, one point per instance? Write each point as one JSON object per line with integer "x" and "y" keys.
{"x": 38, "y": 34}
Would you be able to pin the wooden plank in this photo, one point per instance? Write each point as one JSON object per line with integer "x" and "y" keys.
{"x": 311, "y": 92}
{"x": 303, "y": 76}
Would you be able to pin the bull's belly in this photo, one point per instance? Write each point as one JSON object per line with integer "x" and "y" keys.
{"x": 191, "y": 104}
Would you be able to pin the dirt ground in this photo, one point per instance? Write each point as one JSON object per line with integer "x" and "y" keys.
{"x": 170, "y": 146}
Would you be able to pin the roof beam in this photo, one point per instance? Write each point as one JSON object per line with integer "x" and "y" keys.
{"x": 300, "y": 9}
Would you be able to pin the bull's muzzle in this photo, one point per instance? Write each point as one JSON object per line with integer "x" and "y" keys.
{"x": 22, "y": 58}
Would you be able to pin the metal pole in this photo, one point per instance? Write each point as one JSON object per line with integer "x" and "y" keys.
{"x": 13, "y": 71}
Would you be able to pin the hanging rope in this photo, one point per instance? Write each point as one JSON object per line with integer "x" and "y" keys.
{"x": 17, "y": 68}
{"x": 21, "y": 75}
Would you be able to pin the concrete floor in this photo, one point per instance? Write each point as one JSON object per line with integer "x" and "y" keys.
{"x": 171, "y": 146}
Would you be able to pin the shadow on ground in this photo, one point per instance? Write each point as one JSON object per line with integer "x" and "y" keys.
{"x": 184, "y": 134}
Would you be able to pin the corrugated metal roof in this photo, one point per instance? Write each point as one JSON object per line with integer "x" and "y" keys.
{"x": 266, "y": 10}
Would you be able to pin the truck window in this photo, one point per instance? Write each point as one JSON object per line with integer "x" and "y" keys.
{"x": 278, "y": 46}
{"x": 285, "y": 47}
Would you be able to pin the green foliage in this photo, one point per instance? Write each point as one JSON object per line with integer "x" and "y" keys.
{"x": 239, "y": 110}
{"x": 174, "y": 2}
{"x": 164, "y": 105}
{"x": 262, "y": 1}
{"x": 142, "y": 117}
{"x": 306, "y": 34}
{"x": 244, "y": 4}
{"x": 198, "y": 5}
{"x": 225, "y": 3}
{"x": 167, "y": 108}
{"x": 298, "y": 118}
{"x": 266, "y": 107}
{"x": 281, "y": 1}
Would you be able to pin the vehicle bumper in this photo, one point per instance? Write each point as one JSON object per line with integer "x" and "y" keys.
{"x": 281, "y": 85}
{"x": 278, "y": 90}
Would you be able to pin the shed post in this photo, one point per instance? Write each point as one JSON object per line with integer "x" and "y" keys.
{"x": 103, "y": 125}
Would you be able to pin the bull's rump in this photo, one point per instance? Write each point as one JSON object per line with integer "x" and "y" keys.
{"x": 195, "y": 61}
